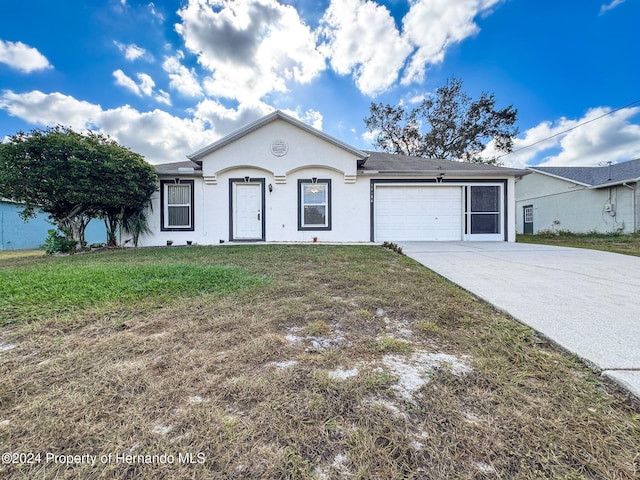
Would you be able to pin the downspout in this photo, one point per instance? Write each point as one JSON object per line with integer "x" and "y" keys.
{"x": 633, "y": 205}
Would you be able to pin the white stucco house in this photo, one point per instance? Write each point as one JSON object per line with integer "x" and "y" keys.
{"x": 579, "y": 199}
{"x": 280, "y": 180}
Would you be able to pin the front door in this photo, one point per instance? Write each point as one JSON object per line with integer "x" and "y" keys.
{"x": 247, "y": 210}
{"x": 527, "y": 214}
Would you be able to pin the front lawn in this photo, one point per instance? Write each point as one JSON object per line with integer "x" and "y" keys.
{"x": 286, "y": 361}
{"x": 627, "y": 244}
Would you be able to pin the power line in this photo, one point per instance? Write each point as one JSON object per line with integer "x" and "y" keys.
{"x": 568, "y": 129}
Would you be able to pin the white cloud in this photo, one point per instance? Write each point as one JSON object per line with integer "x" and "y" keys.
{"x": 182, "y": 79}
{"x": 146, "y": 84}
{"x": 158, "y": 135}
{"x": 225, "y": 119}
{"x": 370, "y": 136}
{"x": 39, "y": 108}
{"x": 162, "y": 97}
{"x": 435, "y": 25}
{"x": 251, "y": 47}
{"x": 155, "y": 13}
{"x": 611, "y": 138}
{"x": 610, "y": 6}
{"x": 127, "y": 82}
{"x": 22, "y": 57}
{"x": 144, "y": 87}
{"x": 132, "y": 51}
{"x": 361, "y": 38}
{"x": 310, "y": 117}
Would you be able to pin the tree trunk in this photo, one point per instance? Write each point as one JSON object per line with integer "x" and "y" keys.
{"x": 74, "y": 227}
{"x": 112, "y": 222}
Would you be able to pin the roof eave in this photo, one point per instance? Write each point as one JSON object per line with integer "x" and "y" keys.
{"x": 173, "y": 173}
{"x": 613, "y": 184}
{"x": 559, "y": 177}
{"x": 446, "y": 173}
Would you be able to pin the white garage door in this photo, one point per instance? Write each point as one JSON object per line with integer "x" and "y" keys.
{"x": 413, "y": 213}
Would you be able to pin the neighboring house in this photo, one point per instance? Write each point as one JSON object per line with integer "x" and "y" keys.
{"x": 16, "y": 234}
{"x": 280, "y": 180}
{"x": 579, "y": 199}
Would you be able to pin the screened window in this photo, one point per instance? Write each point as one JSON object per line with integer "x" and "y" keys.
{"x": 484, "y": 209}
{"x": 177, "y": 203}
{"x": 314, "y": 209}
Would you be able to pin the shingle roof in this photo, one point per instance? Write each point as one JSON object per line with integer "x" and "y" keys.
{"x": 391, "y": 163}
{"x": 381, "y": 163}
{"x": 179, "y": 168}
{"x": 596, "y": 176}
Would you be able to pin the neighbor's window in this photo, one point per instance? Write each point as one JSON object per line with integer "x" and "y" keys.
{"x": 314, "y": 206}
{"x": 177, "y": 205}
{"x": 528, "y": 214}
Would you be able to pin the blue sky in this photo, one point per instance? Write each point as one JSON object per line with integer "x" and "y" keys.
{"x": 167, "y": 78}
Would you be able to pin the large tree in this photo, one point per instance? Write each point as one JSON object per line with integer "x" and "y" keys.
{"x": 74, "y": 177}
{"x": 447, "y": 125}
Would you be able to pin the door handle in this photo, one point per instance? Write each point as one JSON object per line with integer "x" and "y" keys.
{"x": 258, "y": 215}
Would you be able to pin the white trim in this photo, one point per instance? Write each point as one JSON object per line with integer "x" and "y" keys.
{"x": 469, "y": 214}
{"x": 167, "y": 205}
{"x": 325, "y": 204}
{"x": 615, "y": 184}
{"x": 236, "y": 203}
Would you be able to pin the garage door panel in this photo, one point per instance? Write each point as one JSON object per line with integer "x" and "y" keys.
{"x": 413, "y": 213}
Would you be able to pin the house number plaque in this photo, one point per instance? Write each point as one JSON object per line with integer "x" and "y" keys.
{"x": 279, "y": 148}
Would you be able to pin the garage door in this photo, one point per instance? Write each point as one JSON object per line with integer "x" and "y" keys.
{"x": 413, "y": 213}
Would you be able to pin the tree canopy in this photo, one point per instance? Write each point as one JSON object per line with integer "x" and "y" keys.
{"x": 448, "y": 125}
{"x": 74, "y": 177}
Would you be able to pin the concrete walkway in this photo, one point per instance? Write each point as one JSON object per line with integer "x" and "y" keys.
{"x": 587, "y": 301}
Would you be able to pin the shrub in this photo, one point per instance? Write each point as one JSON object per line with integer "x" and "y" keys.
{"x": 57, "y": 243}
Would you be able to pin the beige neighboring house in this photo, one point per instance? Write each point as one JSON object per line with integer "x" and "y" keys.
{"x": 601, "y": 199}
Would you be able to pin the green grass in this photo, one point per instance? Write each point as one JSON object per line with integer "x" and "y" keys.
{"x": 64, "y": 286}
{"x": 627, "y": 244}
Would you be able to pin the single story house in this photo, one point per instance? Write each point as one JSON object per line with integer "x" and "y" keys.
{"x": 579, "y": 199}
{"x": 280, "y": 180}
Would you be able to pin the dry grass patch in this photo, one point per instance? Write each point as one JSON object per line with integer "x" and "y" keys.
{"x": 328, "y": 370}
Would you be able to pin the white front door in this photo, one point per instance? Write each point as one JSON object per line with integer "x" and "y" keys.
{"x": 247, "y": 211}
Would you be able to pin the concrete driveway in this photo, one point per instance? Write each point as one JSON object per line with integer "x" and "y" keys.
{"x": 585, "y": 300}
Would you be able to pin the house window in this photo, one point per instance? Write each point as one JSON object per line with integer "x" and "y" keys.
{"x": 484, "y": 209}
{"x": 314, "y": 204}
{"x": 177, "y": 205}
{"x": 528, "y": 214}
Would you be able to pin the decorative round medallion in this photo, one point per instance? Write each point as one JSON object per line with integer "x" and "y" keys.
{"x": 279, "y": 148}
